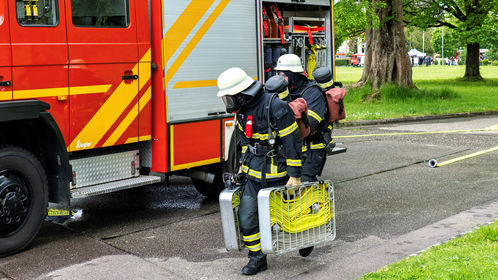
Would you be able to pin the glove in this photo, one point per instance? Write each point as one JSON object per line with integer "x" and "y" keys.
{"x": 293, "y": 181}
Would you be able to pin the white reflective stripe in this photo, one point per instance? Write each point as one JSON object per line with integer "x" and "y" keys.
{"x": 293, "y": 162}
{"x": 288, "y": 130}
{"x": 314, "y": 115}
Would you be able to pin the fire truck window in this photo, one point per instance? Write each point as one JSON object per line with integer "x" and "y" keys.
{"x": 37, "y": 12}
{"x": 100, "y": 13}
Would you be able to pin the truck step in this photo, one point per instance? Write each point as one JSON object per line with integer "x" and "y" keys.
{"x": 114, "y": 186}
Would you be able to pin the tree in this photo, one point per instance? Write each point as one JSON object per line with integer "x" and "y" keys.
{"x": 386, "y": 57}
{"x": 349, "y": 21}
{"x": 451, "y": 42}
{"x": 470, "y": 20}
{"x": 419, "y": 39}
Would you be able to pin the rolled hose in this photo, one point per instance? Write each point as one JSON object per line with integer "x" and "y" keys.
{"x": 296, "y": 213}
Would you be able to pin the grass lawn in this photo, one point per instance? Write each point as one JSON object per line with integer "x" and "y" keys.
{"x": 472, "y": 256}
{"x": 440, "y": 92}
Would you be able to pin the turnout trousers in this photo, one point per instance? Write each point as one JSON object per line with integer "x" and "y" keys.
{"x": 248, "y": 215}
{"x": 313, "y": 162}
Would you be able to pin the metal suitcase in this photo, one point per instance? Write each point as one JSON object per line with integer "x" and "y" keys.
{"x": 229, "y": 208}
{"x": 290, "y": 218}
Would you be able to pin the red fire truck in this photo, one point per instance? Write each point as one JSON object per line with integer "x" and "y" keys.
{"x": 103, "y": 95}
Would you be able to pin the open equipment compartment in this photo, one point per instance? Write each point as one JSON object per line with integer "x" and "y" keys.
{"x": 302, "y": 28}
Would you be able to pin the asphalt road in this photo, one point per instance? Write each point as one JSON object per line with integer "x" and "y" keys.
{"x": 389, "y": 204}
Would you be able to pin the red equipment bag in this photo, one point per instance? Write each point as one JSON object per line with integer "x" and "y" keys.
{"x": 300, "y": 109}
{"x": 335, "y": 104}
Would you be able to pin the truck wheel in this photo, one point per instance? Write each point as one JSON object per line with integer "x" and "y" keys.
{"x": 212, "y": 191}
{"x": 23, "y": 198}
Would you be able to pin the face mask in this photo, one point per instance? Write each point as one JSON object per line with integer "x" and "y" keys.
{"x": 234, "y": 103}
{"x": 231, "y": 103}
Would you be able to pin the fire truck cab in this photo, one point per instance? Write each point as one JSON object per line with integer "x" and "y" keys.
{"x": 103, "y": 95}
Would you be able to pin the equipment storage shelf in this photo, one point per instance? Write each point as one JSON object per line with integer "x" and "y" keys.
{"x": 297, "y": 27}
{"x": 303, "y": 2}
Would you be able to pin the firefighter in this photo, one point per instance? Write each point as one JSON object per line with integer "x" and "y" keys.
{"x": 271, "y": 151}
{"x": 314, "y": 146}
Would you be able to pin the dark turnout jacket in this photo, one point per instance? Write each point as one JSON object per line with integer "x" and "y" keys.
{"x": 286, "y": 159}
{"x": 317, "y": 112}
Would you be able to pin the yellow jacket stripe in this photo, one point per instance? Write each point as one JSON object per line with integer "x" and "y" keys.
{"x": 314, "y": 115}
{"x": 314, "y": 147}
{"x": 293, "y": 162}
{"x": 288, "y": 130}
{"x": 257, "y": 174}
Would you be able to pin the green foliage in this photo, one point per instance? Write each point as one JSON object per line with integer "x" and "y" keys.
{"x": 485, "y": 62}
{"x": 349, "y": 19}
{"x": 494, "y": 63}
{"x": 415, "y": 38}
{"x": 342, "y": 62}
{"x": 460, "y": 62}
{"x": 451, "y": 42}
{"x": 472, "y": 256}
{"x": 440, "y": 93}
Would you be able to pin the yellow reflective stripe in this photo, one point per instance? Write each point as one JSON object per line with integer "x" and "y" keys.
{"x": 195, "y": 84}
{"x": 132, "y": 115}
{"x": 250, "y": 238}
{"x": 314, "y": 115}
{"x": 284, "y": 94}
{"x": 262, "y": 136}
{"x": 293, "y": 162}
{"x": 288, "y": 130}
{"x": 314, "y": 147}
{"x": 254, "y": 248}
{"x": 187, "y": 50}
{"x": 257, "y": 174}
{"x": 52, "y": 92}
{"x": 273, "y": 167}
{"x": 183, "y": 25}
{"x": 317, "y": 146}
{"x": 244, "y": 149}
{"x": 240, "y": 127}
{"x": 326, "y": 85}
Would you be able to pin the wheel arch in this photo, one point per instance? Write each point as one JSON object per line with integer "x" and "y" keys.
{"x": 29, "y": 125}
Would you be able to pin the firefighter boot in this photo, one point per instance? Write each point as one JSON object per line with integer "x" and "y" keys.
{"x": 306, "y": 251}
{"x": 257, "y": 263}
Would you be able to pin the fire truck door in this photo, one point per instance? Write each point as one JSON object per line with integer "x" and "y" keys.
{"x": 5, "y": 57}
{"x": 103, "y": 72}
{"x": 39, "y": 55}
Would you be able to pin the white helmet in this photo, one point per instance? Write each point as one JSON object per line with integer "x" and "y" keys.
{"x": 289, "y": 62}
{"x": 233, "y": 81}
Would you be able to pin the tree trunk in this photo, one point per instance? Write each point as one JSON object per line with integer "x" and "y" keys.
{"x": 386, "y": 58}
{"x": 472, "y": 72}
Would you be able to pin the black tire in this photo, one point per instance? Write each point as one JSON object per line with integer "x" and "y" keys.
{"x": 23, "y": 199}
{"x": 212, "y": 191}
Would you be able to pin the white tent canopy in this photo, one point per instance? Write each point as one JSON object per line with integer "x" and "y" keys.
{"x": 414, "y": 52}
